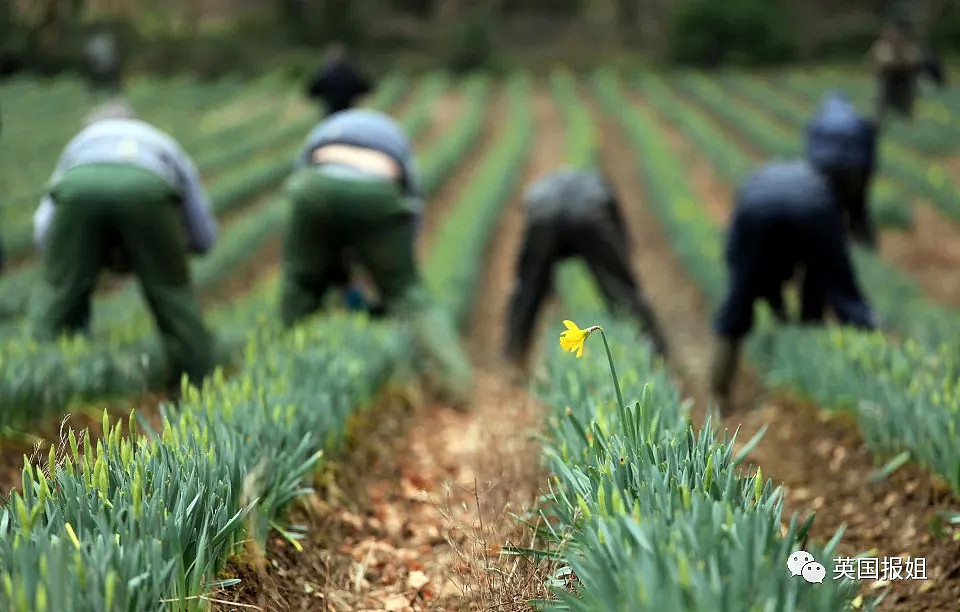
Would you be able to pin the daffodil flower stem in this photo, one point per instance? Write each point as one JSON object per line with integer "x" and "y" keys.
{"x": 613, "y": 370}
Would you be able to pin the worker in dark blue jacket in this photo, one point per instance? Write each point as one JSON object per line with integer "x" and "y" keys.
{"x": 791, "y": 217}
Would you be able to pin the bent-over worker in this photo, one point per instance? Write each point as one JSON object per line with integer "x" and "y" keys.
{"x": 356, "y": 201}
{"x": 789, "y": 218}
{"x": 126, "y": 194}
{"x": 574, "y": 213}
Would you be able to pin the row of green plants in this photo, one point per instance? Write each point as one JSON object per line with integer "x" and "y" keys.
{"x": 899, "y": 298}
{"x": 842, "y": 369}
{"x": 451, "y": 147}
{"x": 477, "y": 212}
{"x": 124, "y": 357}
{"x": 127, "y": 525}
{"x": 21, "y": 93}
{"x": 646, "y": 511}
{"x": 147, "y": 523}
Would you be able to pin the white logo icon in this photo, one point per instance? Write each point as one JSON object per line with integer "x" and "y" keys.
{"x": 802, "y": 563}
{"x": 797, "y": 560}
{"x": 813, "y": 572}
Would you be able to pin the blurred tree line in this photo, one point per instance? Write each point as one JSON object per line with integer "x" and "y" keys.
{"x": 214, "y": 36}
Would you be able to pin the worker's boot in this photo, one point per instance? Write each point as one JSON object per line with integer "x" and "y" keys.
{"x": 723, "y": 369}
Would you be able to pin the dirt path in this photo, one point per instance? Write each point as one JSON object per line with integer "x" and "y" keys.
{"x": 821, "y": 462}
{"x": 928, "y": 252}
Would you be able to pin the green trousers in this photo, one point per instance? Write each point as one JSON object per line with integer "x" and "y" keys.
{"x": 103, "y": 209}
{"x": 335, "y": 219}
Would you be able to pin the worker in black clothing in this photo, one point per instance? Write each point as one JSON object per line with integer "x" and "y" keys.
{"x": 897, "y": 60}
{"x": 339, "y": 83}
{"x": 574, "y": 213}
{"x": 103, "y": 65}
{"x": 789, "y": 217}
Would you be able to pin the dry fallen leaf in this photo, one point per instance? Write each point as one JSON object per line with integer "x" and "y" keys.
{"x": 417, "y": 580}
{"x": 394, "y": 603}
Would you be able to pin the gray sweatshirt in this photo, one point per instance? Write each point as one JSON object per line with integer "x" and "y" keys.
{"x": 371, "y": 130}
{"x": 570, "y": 192}
{"x": 130, "y": 141}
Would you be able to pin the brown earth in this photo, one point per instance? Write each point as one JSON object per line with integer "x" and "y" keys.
{"x": 821, "y": 462}
{"x": 952, "y": 165}
{"x": 425, "y": 521}
{"x": 929, "y": 252}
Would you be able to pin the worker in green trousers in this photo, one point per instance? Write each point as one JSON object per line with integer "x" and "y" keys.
{"x": 356, "y": 201}
{"x": 124, "y": 195}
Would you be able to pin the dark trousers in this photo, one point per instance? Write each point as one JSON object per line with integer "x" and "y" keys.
{"x": 599, "y": 240}
{"x": 103, "y": 209}
{"x": 897, "y": 92}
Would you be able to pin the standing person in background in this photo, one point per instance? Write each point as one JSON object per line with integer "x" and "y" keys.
{"x": 356, "y": 200}
{"x": 574, "y": 213}
{"x": 102, "y": 62}
{"x": 789, "y": 218}
{"x": 339, "y": 84}
{"x": 897, "y": 61}
{"x": 124, "y": 194}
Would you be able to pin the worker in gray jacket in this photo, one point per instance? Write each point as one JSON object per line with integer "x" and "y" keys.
{"x": 123, "y": 189}
{"x": 574, "y": 213}
{"x": 356, "y": 200}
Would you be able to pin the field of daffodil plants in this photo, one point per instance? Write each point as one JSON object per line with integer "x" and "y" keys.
{"x": 648, "y": 500}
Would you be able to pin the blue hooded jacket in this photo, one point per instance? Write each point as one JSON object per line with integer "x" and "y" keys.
{"x": 838, "y": 137}
{"x": 785, "y": 219}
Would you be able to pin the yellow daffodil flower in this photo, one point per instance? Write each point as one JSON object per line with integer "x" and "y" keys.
{"x": 573, "y": 338}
